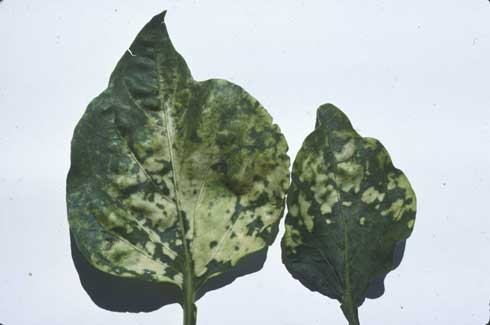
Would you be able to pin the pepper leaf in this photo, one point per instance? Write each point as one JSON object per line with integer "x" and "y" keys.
{"x": 348, "y": 207}
{"x": 173, "y": 180}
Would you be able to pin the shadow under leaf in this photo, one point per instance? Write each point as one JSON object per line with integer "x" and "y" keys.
{"x": 119, "y": 294}
{"x": 377, "y": 285}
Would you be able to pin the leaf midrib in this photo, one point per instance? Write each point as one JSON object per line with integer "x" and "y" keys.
{"x": 187, "y": 272}
{"x": 347, "y": 284}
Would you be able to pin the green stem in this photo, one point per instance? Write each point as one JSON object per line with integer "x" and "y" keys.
{"x": 349, "y": 309}
{"x": 190, "y": 309}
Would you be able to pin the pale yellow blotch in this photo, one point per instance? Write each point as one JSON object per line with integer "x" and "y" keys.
{"x": 231, "y": 237}
{"x": 329, "y": 221}
{"x": 127, "y": 180}
{"x": 112, "y": 218}
{"x": 343, "y": 134}
{"x": 150, "y": 247}
{"x": 409, "y": 194}
{"x": 362, "y": 220}
{"x": 400, "y": 206}
{"x": 307, "y": 172}
{"x": 289, "y": 242}
{"x": 179, "y": 278}
{"x": 410, "y": 223}
{"x": 304, "y": 205}
{"x": 371, "y": 194}
{"x": 412, "y": 205}
{"x": 156, "y": 141}
{"x": 319, "y": 188}
{"x": 346, "y": 152}
{"x": 233, "y": 247}
{"x": 168, "y": 252}
{"x": 394, "y": 209}
{"x": 346, "y": 203}
{"x": 367, "y": 169}
{"x": 155, "y": 238}
{"x": 392, "y": 183}
{"x": 352, "y": 175}
{"x": 332, "y": 198}
{"x": 152, "y": 165}
{"x": 136, "y": 261}
{"x": 152, "y": 235}
{"x": 161, "y": 212}
{"x": 209, "y": 227}
{"x": 310, "y": 165}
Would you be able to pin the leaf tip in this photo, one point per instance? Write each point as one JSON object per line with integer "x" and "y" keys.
{"x": 329, "y": 115}
{"x": 160, "y": 18}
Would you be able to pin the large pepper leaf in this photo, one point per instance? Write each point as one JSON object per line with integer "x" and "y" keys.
{"x": 173, "y": 180}
{"x": 348, "y": 207}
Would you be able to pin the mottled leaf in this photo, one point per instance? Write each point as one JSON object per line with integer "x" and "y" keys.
{"x": 173, "y": 180}
{"x": 348, "y": 207}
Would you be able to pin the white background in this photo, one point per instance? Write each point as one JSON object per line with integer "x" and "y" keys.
{"x": 414, "y": 74}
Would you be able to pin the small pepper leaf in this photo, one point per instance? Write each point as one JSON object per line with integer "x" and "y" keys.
{"x": 173, "y": 180}
{"x": 348, "y": 207}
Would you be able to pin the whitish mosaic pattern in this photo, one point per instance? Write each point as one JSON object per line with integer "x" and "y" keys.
{"x": 173, "y": 180}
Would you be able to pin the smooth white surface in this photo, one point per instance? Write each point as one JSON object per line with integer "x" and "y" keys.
{"x": 414, "y": 74}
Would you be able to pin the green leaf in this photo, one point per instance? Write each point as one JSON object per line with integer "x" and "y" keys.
{"x": 348, "y": 207}
{"x": 173, "y": 180}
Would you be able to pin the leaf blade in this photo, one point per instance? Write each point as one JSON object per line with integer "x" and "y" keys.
{"x": 348, "y": 206}
{"x": 173, "y": 180}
